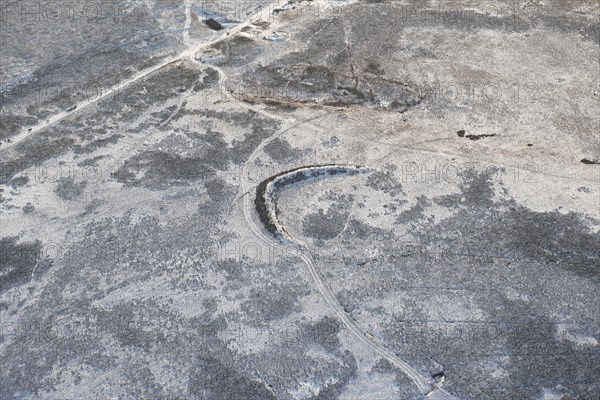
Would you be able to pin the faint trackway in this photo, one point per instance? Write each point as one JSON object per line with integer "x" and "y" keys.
{"x": 189, "y": 51}
{"x": 526, "y": 167}
{"x": 426, "y": 385}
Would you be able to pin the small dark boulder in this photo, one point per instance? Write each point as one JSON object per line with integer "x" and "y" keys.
{"x": 214, "y": 24}
{"x": 590, "y": 162}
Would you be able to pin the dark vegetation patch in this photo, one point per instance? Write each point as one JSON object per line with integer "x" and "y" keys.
{"x": 531, "y": 340}
{"x": 281, "y": 151}
{"x": 551, "y": 238}
{"x": 69, "y": 190}
{"x": 273, "y": 302}
{"x": 219, "y": 191}
{"x": 559, "y": 21}
{"x": 366, "y": 232}
{"x": 415, "y": 213}
{"x": 18, "y": 261}
{"x": 340, "y": 199}
{"x": 373, "y": 67}
{"x": 168, "y": 84}
{"x": 160, "y": 170}
{"x": 10, "y": 125}
{"x": 386, "y": 182}
{"x": 260, "y": 129}
{"x": 325, "y": 225}
{"x": 91, "y": 161}
{"x": 213, "y": 379}
{"x": 477, "y": 190}
{"x": 143, "y": 382}
{"x": 47, "y": 145}
{"x": 210, "y": 79}
{"x": 130, "y": 332}
{"x": 19, "y": 181}
{"x": 216, "y": 152}
{"x": 325, "y": 333}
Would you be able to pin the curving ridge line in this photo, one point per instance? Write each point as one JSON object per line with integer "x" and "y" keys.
{"x": 266, "y": 208}
{"x": 264, "y": 201}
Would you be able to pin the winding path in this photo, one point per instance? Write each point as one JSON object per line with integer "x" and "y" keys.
{"x": 188, "y": 52}
{"x": 267, "y": 212}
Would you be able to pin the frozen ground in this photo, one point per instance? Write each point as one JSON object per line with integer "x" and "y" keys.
{"x": 464, "y": 264}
